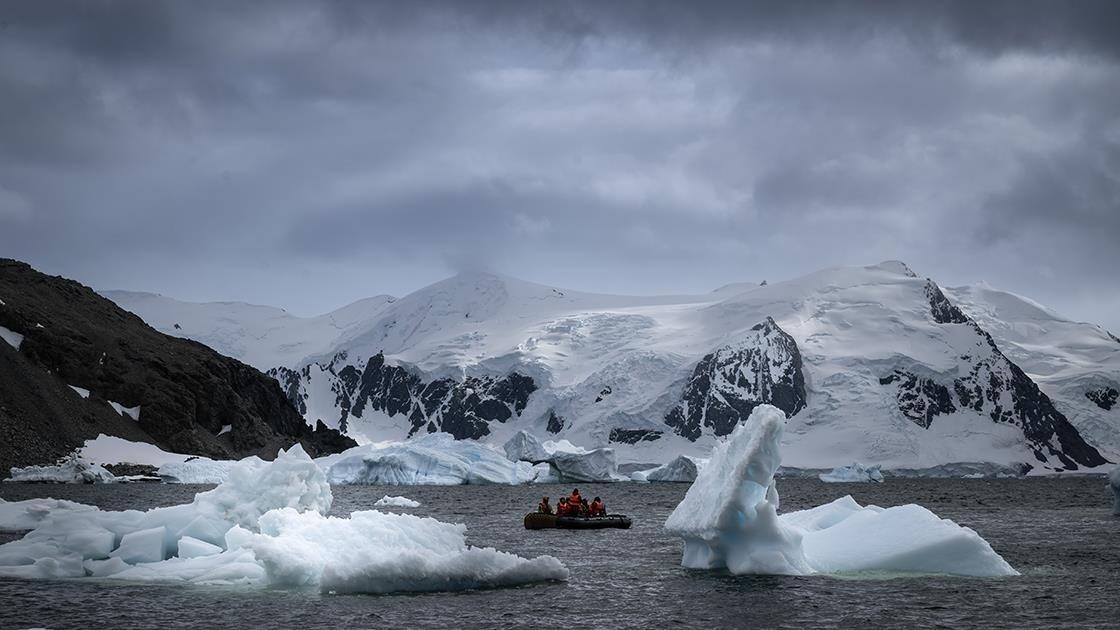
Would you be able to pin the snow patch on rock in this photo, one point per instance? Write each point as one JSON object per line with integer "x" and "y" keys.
{"x": 13, "y": 338}
{"x": 81, "y": 391}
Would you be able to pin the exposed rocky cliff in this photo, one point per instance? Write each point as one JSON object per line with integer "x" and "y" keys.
{"x": 84, "y": 366}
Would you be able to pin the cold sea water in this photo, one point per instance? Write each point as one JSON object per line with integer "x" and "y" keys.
{"x": 1058, "y": 532}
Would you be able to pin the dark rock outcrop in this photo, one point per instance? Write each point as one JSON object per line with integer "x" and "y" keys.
{"x": 463, "y": 408}
{"x": 633, "y": 436}
{"x": 995, "y": 386}
{"x": 186, "y": 391}
{"x": 555, "y": 423}
{"x": 727, "y": 384}
{"x": 920, "y": 399}
{"x": 1103, "y": 397}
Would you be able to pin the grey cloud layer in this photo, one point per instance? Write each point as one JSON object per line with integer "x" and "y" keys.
{"x": 306, "y": 154}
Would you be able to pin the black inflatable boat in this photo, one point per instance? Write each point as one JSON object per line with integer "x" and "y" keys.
{"x": 536, "y": 520}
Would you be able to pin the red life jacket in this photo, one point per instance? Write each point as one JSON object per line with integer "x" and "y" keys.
{"x": 597, "y": 508}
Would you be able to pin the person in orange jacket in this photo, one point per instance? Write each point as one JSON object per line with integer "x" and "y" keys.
{"x": 597, "y": 507}
{"x": 562, "y": 507}
{"x": 575, "y": 499}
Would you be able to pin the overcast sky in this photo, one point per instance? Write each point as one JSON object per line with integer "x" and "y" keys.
{"x": 308, "y": 154}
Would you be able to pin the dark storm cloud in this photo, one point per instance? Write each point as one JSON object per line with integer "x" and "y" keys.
{"x": 307, "y": 153}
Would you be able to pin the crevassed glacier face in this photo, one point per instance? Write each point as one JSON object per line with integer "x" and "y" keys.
{"x": 265, "y": 525}
{"x": 728, "y": 519}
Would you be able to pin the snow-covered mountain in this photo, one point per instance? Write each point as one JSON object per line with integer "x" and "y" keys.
{"x": 870, "y": 363}
{"x": 262, "y": 336}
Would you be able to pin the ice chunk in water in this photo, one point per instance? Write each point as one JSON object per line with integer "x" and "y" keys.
{"x": 265, "y": 525}
{"x": 728, "y": 519}
{"x": 854, "y": 472}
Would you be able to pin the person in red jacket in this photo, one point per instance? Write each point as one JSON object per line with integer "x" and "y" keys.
{"x": 562, "y": 507}
{"x": 575, "y": 499}
{"x": 597, "y": 507}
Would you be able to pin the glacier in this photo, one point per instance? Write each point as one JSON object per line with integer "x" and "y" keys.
{"x": 854, "y": 472}
{"x": 434, "y": 459}
{"x": 267, "y": 525}
{"x": 729, "y": 520}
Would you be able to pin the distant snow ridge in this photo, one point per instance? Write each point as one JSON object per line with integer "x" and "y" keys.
{"x": 266, "y": 525}
{"x": 729, "y": 519}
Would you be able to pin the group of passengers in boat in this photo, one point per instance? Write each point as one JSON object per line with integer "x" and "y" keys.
{"x": 574, "y": 505}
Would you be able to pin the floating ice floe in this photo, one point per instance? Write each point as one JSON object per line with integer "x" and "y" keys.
{"x": 436, "y": 459}
{"x": 682, "y": 469}
{"x": 70, "y": 469}
{"x": 729, "y": 519}
{"x": 1114, "y": 482}
{"x": 23, "y": 515}
{"x": 388, "y": 501}
{"x": 855, "y": 472}
{"x": 567, "y": 461}
{"x": 266, "y": 525}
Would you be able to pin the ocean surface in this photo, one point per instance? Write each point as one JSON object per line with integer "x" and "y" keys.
{"x": 1058, "y": 532}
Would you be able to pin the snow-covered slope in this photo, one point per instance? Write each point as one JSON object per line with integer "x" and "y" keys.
{"x": 870, "y": 363}
{"x": 262, "y": 336}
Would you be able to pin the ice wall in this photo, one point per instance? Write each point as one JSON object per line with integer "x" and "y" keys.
{"x": 855, "y": 472}
{"x": 728, "y": 519}
{"x": 265, "y": 525}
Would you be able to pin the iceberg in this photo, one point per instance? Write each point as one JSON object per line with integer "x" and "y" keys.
{"x": 70, "y": 469}
{"x": 1114, "y": 481}
{"x": 436, "y": 459}
{"x": 266, "y": 525}
{"x": 570, "y": 462}
{"x": 729, "y": 519}
{"x": 855, "y": 472}
{"x": 682, "y": 469}
{"x": 388, "y": 501}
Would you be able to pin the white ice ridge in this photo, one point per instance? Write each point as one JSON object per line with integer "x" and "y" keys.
{"x": 388, "y": 501}
{"x": 728, "y": 519}
{"x": 854, "y": 472}
{"x": 1114, "y": 481}
{"x": 266, "y": 525}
